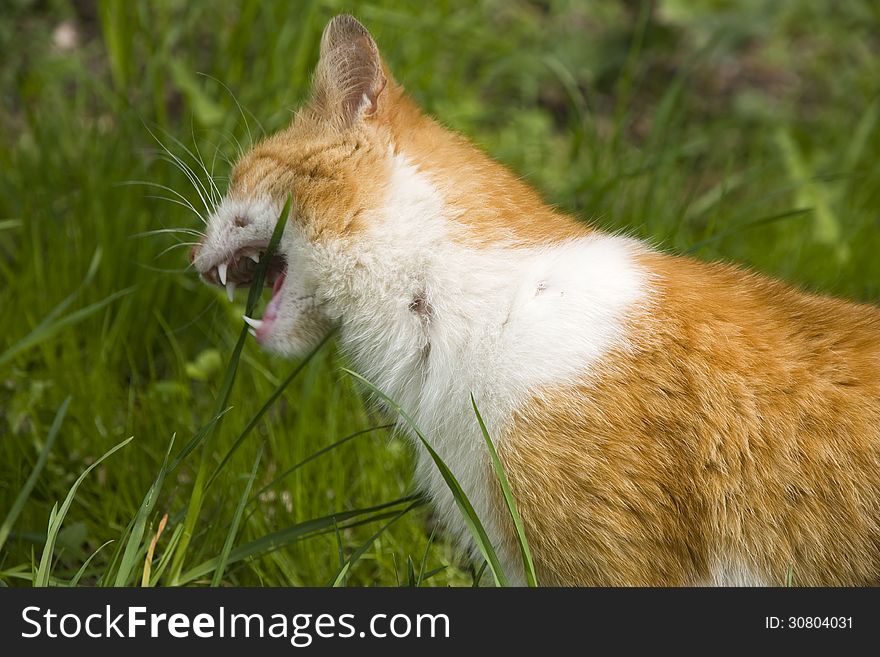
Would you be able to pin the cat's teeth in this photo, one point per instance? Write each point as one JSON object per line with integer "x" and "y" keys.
{"x": 255, "y": 257}
{"x": 221, "y": 273}
{"x": 252, "y": 332}
{"x": 230, "y": 291}
{"x": 253, "y": 323}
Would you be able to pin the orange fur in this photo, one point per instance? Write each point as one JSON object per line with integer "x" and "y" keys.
{"x": 492, "y": 204}
{"x": 743, "y": 426}
{"x": 324, "y": 169}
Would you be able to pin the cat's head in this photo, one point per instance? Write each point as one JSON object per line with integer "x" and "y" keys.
{"x": 333, "y": 161}
{"x": 363, "y": 166}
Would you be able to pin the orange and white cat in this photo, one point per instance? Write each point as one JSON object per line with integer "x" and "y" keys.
{"x": 662, "y": 421}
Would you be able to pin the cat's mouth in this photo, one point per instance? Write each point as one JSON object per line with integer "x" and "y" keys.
{"x": 239, "y": 269}
{"x": 260, "y": 328}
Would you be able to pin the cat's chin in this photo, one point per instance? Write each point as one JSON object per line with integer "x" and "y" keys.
{"x": 292, "y": 323}
{"x": 298, "y": 340}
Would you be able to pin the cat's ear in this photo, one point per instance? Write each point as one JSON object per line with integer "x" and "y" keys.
{"x": 349, "y": 79}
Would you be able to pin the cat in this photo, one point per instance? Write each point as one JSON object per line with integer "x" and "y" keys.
{"x": 662, "y": 421}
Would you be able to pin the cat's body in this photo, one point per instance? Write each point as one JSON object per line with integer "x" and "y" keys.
{"x": 661, "y": 421}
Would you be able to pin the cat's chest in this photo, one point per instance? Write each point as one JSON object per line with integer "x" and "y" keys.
{"x": 498, "y": 327}
{"x": 497, "y": 324}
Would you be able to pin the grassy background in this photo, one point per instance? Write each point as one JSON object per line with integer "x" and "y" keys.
{"x": 744, "y": 130}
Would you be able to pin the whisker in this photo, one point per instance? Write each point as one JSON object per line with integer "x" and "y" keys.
{"x": 230, "y": 137}
{"x": 210, "y": 174}
{"x": 187, "y": 171}
{"x": 185, "y": 202}
{"x": 172, "y": 247}
{"x": 240, "y": 109}
{"x": 214, "y": 162}
{"x": 223, "y": 156}
{"x": 162, "y": 155}
{"x": 211, "y": 304}
{"x": 200, "y": 163}
{"x": 191, "y": 176}
{"x": 238, "y": 145}
{"x": 172, "y": 200}
{"x": 159, "y": 231}
{"x": 163, "y": 270}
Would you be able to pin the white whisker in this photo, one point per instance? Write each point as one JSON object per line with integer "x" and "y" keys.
{"x": 217, "y": 196}
{"x": 198, "y": 160}
{"x": 172, "y": 247}
{"x": 187, "y": 171}
{"x": 240, "y": 109}
{"x": 183, "y": 200}
{"x": 174, "y": 200}
{"x": 160, "y": 231}
{"x": 191, "y": 176}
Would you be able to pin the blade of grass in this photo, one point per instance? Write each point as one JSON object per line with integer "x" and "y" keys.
{"x": 283, "y": 537}
{"x": 340, "y": 554}
{"x": 746, "y": 225}
{"x": 196, "y": 440}
{"x": 25, "y": 492}
{"x": 236, "y": 520}
{"x": 45, "y": 330}
{"x": 478, "y": 574}
{"x": 70, "y": 298}
{"x": 57, "y": 517}
{"x": 195, "y": 504}
{"x": 260, "y": 275}
{"x": 312, "y": 457}
{"x": 265, "y": 407}
{"x": 339, "y": 580}
{"x": 166, "y": 557}
{"x": 410, "y": 572}
{"x": 133, "y": 545}
{"x": 113, "y": 565}
{"x": 419, "y": 501}
{"x": 79, "y": 574}
{"x": 424, "y": 563}
{"x": 148, "y": 559}
{"x": 469, "y": 515}
{"x": 117, "y": 33}
{"x": 434, "y": 571}
{"x": 39, "y": 335}
{"x": 9, "y": 224}
{"x": 528, "y": 564}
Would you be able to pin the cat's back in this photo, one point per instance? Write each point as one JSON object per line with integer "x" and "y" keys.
{"x": 733, "y": 437}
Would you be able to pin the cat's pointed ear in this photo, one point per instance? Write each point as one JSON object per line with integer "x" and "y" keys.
{"x": 349, "y": 79}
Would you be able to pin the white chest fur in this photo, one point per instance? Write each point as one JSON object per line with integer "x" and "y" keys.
{"x": 430, "y": 321}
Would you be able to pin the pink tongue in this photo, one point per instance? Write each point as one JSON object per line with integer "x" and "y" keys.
{"x": 272, "y": 308}
{"x": 278, "y": 283}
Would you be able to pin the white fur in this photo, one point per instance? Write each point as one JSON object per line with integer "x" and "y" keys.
{"x": 223, "y": 236}
{"x": 300, "y": 324}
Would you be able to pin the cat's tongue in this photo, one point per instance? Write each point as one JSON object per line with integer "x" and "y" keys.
{"x": 260, "y": 328}
{"x": 271, "y": 311}
{"x": 278, "y": 283}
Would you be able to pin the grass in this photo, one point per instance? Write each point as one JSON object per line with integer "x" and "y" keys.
{"x": 744, "y": 131}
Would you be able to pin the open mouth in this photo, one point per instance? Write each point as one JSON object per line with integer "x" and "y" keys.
{"x": 239, "y": 270}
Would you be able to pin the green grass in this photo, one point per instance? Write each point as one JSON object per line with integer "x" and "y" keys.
{"x": 745, "y": 131}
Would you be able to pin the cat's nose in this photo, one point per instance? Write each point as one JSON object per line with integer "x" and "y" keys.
{"x": 193, "y": 252}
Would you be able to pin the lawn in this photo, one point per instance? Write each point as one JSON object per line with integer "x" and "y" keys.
{"x": 745, "y": 131}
